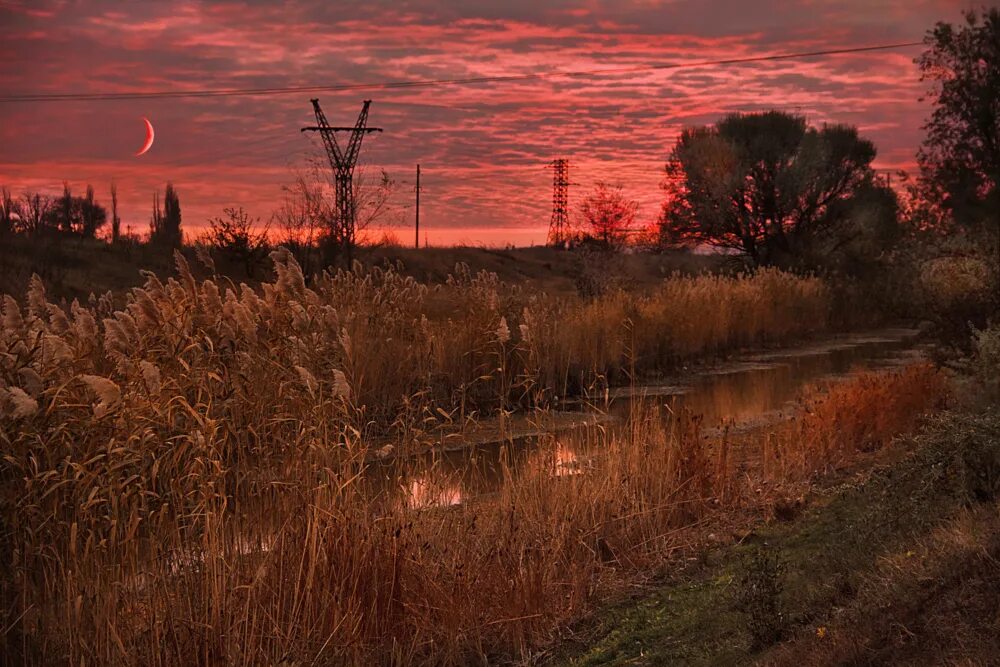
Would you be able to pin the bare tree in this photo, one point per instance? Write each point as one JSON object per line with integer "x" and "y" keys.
{"x": 371, "y": 196}
{"x": 34, "y": 211}
{"x": 309, "y": 214}
{"x": 303, "y": 219}
{"x": 609, "y": 214}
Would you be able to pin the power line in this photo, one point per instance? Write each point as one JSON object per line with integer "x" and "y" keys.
{"x": 425, "y": 83}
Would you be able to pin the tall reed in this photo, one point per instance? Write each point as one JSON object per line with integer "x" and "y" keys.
{"x": 182, "y": 477}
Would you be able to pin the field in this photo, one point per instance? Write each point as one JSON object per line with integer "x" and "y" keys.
{"x": 742, "y": 408}
{"x": 185, "y": 477}
{"x": 74, "y": 267}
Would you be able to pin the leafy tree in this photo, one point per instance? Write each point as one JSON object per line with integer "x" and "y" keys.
{"x": 765, "y": 184}
{"x": 609, "y": 214}
{"x": 960, "y": 156}
{"x": 238, "y": 236}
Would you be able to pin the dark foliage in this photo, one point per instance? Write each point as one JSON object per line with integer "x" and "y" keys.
{"x": 781, "y": 192}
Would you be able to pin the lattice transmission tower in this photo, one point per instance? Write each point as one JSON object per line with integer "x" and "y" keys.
{"x": 342, "y": 162}
{"x": 559, "y": 223}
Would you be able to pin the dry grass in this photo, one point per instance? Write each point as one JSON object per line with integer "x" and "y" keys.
{"x": 182, "y": 479}
{"x": 868, "y": 412}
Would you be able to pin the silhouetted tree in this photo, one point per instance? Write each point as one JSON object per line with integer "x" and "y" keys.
{"x": 338, "y": 238}
{"x": 76, "y": 215}
{"x": 165, "y": 225}
{"x": 304, "y": 218}
{"x": 960, "y": 156}
{"x": 116, "y": 222}
{"x": 33, "y": 211}
{"x": 608, "y": 214}
{"x": 93, "y": 216}
{"x": 172, "y": 215}
{"x": 240, "y": 237}
{"x": 8, "y": 214}
{"x": 65, "y": 212}
{"x": 765, "y": 184}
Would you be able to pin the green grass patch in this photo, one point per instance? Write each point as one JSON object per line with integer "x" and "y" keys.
{"x": 788, "y": 577}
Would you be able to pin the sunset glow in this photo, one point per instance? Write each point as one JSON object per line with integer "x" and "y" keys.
{"x": 483, "y": 148}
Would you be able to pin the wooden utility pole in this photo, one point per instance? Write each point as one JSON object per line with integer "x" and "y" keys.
{"x": 416, "y": 235}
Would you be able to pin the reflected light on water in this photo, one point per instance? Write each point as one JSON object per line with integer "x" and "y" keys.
{"x": 425, "y": 492}
{"x": 565, "y": 461}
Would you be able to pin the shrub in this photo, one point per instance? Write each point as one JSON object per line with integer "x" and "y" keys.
{"x": 986, "y": 358}
{"x": 956, "y": 295}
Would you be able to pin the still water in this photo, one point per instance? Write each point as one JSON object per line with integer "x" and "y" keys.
{"x": 753, "y": 389}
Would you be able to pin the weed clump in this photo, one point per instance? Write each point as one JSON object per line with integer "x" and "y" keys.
{"x": 757, "y": 590}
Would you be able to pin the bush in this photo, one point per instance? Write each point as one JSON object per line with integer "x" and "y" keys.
{"x": 956, "y": 295}
{"x": 986, "y": 358}
{"x": 758, "y": 596}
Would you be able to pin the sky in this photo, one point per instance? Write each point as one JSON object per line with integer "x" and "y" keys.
{"x": 483, "y": 148}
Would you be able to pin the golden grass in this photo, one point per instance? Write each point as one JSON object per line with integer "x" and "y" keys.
{"x": 182, "y": 479}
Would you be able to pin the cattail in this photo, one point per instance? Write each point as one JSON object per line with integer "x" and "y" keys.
{"x": 300, "y": 318}
{"x": 58, "y": 321}
{"x": 151, "y": 377}
{"x": 84, "y": 324}
{"x": 503, "y": 331}
{"x": 290, "y": 281}
{"x": 12, "y": 320}
{"x": 308, "y": 380}
{"x": 249, "y": 298}
{"x": 213, "y": 303}
{"x": 106, "y": 391}
{"x": 205, "y": 257}
{"x": 340, "y": 386}
{"x": 55, "y": 350}
{"x": 147, "y": 312}
{"x": 186, "y": 277}
{"x": 37, "y": 305}
{"x": 32, "y": 381}
{"x": 523, "y": 328}
{"x": 115, "y": 338}
{"x": 345, "y": 341}
{"x": 245, "y": 321}
{"x": 22, "y": 404}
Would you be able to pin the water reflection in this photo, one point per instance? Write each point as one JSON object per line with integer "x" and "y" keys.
{"x": 767, "y": 385}
{"x": 761, "y": 387}
{"x": 565, "y": 461}
{"x": 427, "y": 491}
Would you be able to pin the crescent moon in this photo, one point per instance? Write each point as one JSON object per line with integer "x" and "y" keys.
{"x": 149, "y": 137}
